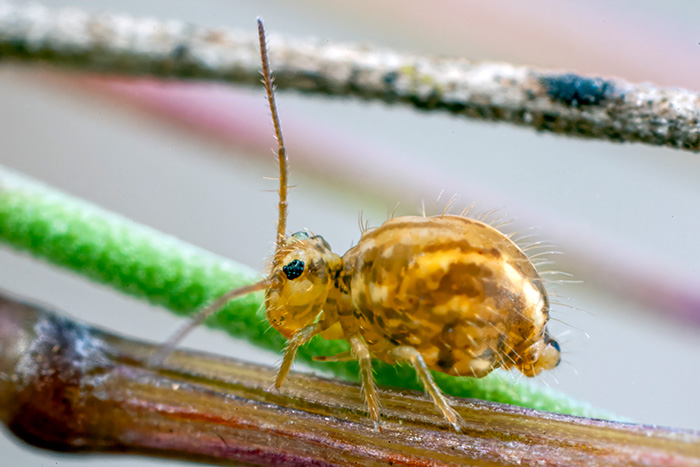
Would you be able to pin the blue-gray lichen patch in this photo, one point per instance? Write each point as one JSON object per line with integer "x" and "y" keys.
{"x": 575, "y": 90}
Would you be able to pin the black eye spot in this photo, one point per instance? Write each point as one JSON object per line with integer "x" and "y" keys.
{"x": 293, "y": 269}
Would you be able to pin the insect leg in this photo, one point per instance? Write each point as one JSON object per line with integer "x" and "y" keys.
{"x": 412, "y": 356}
{"x": 300, "y": 338}
{"x": 361, "y": 353}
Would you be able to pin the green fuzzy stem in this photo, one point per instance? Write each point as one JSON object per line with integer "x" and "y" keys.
{"x": 150, "y": 265}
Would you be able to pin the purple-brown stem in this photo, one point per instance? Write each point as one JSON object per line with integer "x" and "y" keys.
{"x": 67, "y": 387}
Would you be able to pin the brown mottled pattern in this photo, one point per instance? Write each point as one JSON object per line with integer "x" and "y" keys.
{"x": 455, "y": 289}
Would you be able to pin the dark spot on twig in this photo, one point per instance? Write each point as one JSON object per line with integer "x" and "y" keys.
{"x": 455, "y": 106}
{"x": 311, "y": 75}
{"x": 390, "y": 77}
{"x": 180, "y": 52}
{"x": 575, "y": 90}
{"x": 549, "y": 118}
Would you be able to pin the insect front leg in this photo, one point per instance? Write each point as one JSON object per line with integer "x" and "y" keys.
{"x": 412, "y": 356}
{"x": 361, "y": 352}
{"x": 300, "y": 338}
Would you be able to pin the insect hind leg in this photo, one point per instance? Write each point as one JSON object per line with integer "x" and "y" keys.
{"x": 412, "y": 356}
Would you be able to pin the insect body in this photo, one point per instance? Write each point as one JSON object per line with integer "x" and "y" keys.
{"x": 443, "y": 293}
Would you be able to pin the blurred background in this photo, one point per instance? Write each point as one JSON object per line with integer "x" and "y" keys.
{"x": 626, "y": 217}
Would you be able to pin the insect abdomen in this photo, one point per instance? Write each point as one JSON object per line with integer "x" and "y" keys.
{"x": 456, "y": 289}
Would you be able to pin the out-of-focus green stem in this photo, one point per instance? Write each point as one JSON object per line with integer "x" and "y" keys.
{"x": 147, "y": 264}
{"x": 67, "y": 387}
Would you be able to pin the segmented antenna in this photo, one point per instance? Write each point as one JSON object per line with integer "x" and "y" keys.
{"x": 167, "y": 348}
{"x": 281, "y": 153}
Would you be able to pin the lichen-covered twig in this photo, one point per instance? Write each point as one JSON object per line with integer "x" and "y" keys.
{"x": 562, "y": 103}
{"x": 67, "y": 387}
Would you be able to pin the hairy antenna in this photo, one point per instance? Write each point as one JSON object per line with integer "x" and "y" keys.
{"x": 168, "y": 347}
{"x": 281, "y": 153}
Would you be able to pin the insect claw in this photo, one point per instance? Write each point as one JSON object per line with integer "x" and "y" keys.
{"x": 458, "y": 424}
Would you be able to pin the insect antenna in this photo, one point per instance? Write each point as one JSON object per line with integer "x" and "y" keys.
{"x": 281, "y": 152}
{"x": 168, "y": 347}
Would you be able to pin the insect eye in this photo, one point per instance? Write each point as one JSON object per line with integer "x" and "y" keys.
{"x": 301, "y": 235}
{"x": 293, "y": 269}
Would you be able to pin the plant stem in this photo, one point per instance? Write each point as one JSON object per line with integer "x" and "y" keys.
{"x": 562, "y": 103}
{"x": 67, "y": 387}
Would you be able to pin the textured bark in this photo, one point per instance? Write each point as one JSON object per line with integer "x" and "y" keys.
{"x": 70, "y": 388}
{"x": 545, "y": 100}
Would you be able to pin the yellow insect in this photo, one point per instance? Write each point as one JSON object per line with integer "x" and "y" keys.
{"x": 443, "y": 293}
